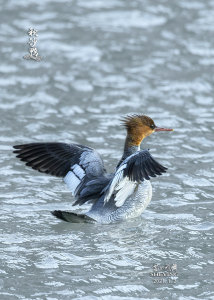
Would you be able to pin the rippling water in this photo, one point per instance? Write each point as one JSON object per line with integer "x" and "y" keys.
{"x": 101, "y": 60}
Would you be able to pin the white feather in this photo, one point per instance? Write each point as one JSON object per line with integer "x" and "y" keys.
{"x": 117, "y": 178}
{"x": 125, "y": 188}
{"x": 78, "y": 171}
{"x": 72, "y": 181}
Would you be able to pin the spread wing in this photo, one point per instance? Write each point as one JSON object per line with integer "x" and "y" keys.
{"x": 133, "y": 170}
{"x": 76, "y": 163}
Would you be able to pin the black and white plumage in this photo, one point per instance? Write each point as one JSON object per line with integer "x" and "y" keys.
{"x": 132, "y": 171}
{"x": 114, "y": 197}
{"x": 78, "y": 165}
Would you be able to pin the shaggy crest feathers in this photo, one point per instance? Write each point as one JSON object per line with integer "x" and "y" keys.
{"x": 137, "y": 120}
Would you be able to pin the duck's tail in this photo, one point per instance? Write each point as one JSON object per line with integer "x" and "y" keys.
{"x": 72, "y": 217}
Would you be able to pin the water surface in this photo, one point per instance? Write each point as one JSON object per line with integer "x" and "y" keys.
{"x": 101, "y": 60}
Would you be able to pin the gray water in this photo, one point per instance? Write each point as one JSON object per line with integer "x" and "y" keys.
{"x": 102, "y": 60}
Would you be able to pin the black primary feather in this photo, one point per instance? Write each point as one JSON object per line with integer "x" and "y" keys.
{"x": 142, "y": 166}
{"x": 50, "y": 158}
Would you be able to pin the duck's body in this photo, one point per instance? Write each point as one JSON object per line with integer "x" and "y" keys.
{"x": 114, "y": 197}
{"x": 133, "y": 206}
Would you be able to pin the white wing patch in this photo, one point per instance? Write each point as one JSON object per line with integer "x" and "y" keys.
{"x": 117, "y": 178}
{"x": 78, "y": 171}
{"x": 74, "y": 177}
{"x": 121, "y": 186}
{"x": 125, "y": 188}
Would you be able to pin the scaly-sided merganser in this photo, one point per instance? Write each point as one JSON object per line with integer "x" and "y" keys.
{"x": 122, "y": 195}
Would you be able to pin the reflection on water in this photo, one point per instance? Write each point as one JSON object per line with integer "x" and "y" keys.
{"x": 101, "y": 60}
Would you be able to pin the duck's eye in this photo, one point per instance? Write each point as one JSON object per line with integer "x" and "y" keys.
{"x": 152, "y": 126}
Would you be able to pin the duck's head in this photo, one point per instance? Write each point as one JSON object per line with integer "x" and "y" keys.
{"x": 138, "y": 127}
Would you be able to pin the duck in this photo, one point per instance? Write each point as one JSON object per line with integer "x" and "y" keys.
{"x": 113, "y": 197}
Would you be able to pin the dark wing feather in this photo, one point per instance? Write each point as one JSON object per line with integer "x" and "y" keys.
{"x": 92, "y": 189}
{"x": 81, "y": 167}
{"x": 142, "y": 166}
{"x": 50, "y": 158}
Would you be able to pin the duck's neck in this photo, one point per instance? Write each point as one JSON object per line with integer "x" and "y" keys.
{"x": 129, "y": 148}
